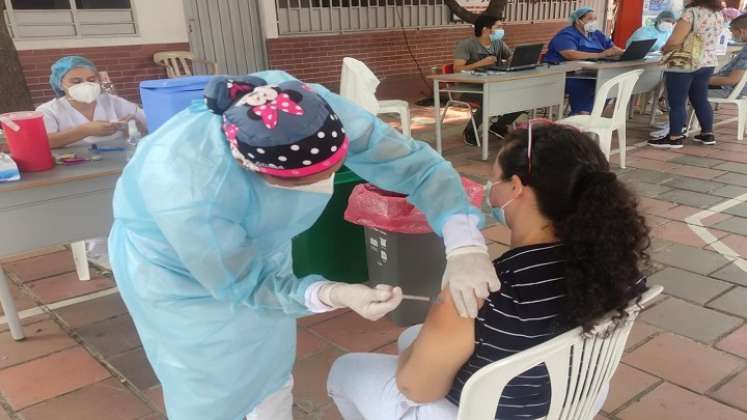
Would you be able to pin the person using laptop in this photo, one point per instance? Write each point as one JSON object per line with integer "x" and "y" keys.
{"x": 481, "y": 51}
{"x": 581, "y": 40}
{"x": 660, "y": 31}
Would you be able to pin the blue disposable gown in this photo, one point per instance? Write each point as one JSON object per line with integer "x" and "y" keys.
{"x": 650, "y": 32}
{"x": 201, "y": 252}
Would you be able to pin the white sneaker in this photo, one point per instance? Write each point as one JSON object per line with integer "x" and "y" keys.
{"x": 660, "y": 132}
{"x": 101, "y": 261}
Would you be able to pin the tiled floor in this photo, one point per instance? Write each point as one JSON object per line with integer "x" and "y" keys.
{"x": 686, "y": 357}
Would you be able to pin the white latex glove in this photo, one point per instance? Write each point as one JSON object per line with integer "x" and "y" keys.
{"x": 470, "y": 275}
{"x": 370, "y": 303}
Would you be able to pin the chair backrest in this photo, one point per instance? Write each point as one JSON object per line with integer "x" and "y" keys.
{"x": 623, "y": 85}
{"x": 737, "y": 91}
{"x": 447, "y": 68}
{"x": 358, "y": 84}
{"x": 579, "y": 364}
{"x": 181, "y": 63}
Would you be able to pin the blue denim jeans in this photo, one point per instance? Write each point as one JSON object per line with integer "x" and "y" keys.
{"x": 680, "y": 87}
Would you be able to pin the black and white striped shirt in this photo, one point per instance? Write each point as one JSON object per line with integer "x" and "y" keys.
{"x": 523, "y": 314}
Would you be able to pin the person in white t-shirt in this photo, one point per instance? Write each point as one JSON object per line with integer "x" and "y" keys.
{"x": 81, "y": 113}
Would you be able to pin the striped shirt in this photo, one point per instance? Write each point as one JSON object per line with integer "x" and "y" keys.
{"x": 523, "y": 314}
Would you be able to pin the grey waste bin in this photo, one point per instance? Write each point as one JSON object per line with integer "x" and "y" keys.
{"x": 415, "y": 262}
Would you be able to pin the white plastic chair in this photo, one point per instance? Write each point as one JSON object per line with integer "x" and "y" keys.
{"x": 451, "y": 89}
{"x": 180, "y": 63}
{"x": 358, "y": 84}
{"x": 81, "y": 260}
{"x": 603, "y": 127}
{"x": 592, "y": 357}
{"x": 735, "y": 98}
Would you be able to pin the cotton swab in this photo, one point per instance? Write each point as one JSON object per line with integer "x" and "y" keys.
{"x": 414, "y": 297}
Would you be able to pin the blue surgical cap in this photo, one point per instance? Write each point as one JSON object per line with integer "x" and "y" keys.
{"x": 62, "y": 66}
{"x": 664, "y": 15}
{"x": 579, "y": 13}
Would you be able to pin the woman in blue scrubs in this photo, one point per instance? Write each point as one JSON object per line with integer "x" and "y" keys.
{"x": 581, "y": 40}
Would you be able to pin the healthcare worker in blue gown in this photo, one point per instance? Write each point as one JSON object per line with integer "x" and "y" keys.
{"x": 582, "y": 40}
{"x": 661, "y": 30}
{"x": 204, "y": 217}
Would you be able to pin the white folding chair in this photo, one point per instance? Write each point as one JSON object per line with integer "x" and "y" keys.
{"x": 451, "y": 89}
{"x": 580, "y": 365}
{"x": 603, "y": 127}
{"x": 735, "y": 98}
{"x": 181, "y": 63}
{"x": 358, "y": 84}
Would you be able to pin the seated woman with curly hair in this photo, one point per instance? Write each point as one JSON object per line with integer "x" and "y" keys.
{"x": 578, "y": 245}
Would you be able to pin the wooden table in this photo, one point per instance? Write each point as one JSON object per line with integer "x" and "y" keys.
{"x": 504, "y": 93}
{"x": 59, "y": 206}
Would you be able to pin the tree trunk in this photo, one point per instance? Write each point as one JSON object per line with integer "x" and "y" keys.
{"x": 495, "y": 8}
{"x": 14, "y": 93}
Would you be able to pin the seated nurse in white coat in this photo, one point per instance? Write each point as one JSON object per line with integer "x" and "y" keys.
{"x": 82, "y": 115}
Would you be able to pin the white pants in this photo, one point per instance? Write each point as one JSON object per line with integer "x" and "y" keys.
{"x": 277, "y": 406}
{"x": 364, "y": 387}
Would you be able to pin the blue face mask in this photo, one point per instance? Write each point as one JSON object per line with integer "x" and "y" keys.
{"x": 497, "y": 35}
{"x": 498, "y": 213}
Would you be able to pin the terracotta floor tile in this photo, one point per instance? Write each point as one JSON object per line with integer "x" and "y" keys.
{"x": 681, "y": 233}
{"x": 683, "y": 362}
{"x": 354, "y": 333}
{"x": 308, "y": 344}
{"x": 656, "y": 207}
{"x": 86, "y": 313}
{"x": 640, "y": 333}
{"x": 42, "y": 266}
{"x": 735, "y": 342}
{"x": 155, "y": 396}
{"x": 112, "y": 336}
{"x": 656, "y": 154}
{"x": 670, "y": 402}
{"x": 104, "y": 400}
{"x": 498, "y": 233}
{"x": 21, "y": 299}
{"x": 134, "y": 366}
{"x": 737, "y": 243}
{"x": 734, "y": 392}
{"x": 26, "y": 321}
{"x": 729, "y": 155}
{"x": 310, "y": 320}
{"x": 42, "y": 338}
{"x": 49, "y": 377}
{"x": 682, "y": 212}
{"x": 65, "y": 286}
{"x": 627, "y": 383}
{"x": 310, "y": 380}
{"x": 31, "y": 254}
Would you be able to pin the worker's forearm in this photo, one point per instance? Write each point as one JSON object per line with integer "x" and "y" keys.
{"x": 64, "y": 138}
{"x": 580, "y": 55}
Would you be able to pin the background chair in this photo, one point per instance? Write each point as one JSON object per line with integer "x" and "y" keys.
{"x": 181, "y": 63}
{"x": 451, "y": 89}
{"x": 592, "y": 358}
{"x": 358, "y": 84}
{"x": 603, "y": 127}
{"x": 735, "y": 98}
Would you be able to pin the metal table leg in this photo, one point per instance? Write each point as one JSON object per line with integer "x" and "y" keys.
{"x": 9, "y": 308}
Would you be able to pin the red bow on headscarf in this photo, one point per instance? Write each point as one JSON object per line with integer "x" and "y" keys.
{"x": 269, "y": 112}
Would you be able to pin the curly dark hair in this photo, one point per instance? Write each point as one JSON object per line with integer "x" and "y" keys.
{"x": 592, "y": 212}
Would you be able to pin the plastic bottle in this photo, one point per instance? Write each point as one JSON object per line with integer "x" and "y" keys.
{"x": 133, "y": 137}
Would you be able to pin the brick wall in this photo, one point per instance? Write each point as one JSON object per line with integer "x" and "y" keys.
{"x": 319, "y": 58}
{"x": 126, "y": 65}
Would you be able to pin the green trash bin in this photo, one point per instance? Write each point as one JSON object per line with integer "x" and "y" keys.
{"x": 333, "y": 247}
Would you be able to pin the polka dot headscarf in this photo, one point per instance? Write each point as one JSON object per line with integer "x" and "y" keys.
{"x": 284, "y": 130}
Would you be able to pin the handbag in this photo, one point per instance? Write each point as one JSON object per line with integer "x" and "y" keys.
{"x": 688, "y": 57}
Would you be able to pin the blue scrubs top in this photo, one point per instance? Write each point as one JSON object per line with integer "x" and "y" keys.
{"x": 571, "y": 39}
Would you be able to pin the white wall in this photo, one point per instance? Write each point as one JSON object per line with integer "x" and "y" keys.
{"x": 158, "y": 21}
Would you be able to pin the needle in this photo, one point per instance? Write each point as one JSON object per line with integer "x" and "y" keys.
{"x": 414, "y": 297}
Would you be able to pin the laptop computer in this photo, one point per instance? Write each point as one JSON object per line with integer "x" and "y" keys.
{"x": 637, "y": 50}
{"x": 524, "y": 57}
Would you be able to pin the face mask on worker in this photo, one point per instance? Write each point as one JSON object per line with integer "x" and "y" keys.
{"x": 590, "y": 27}
{"x": 497, "y": 35}
{"x": 325, "y": 186}
{"x": 666, "y": 26}
{"x": 85, "y": 92}
{"x": 498, "y": 213}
